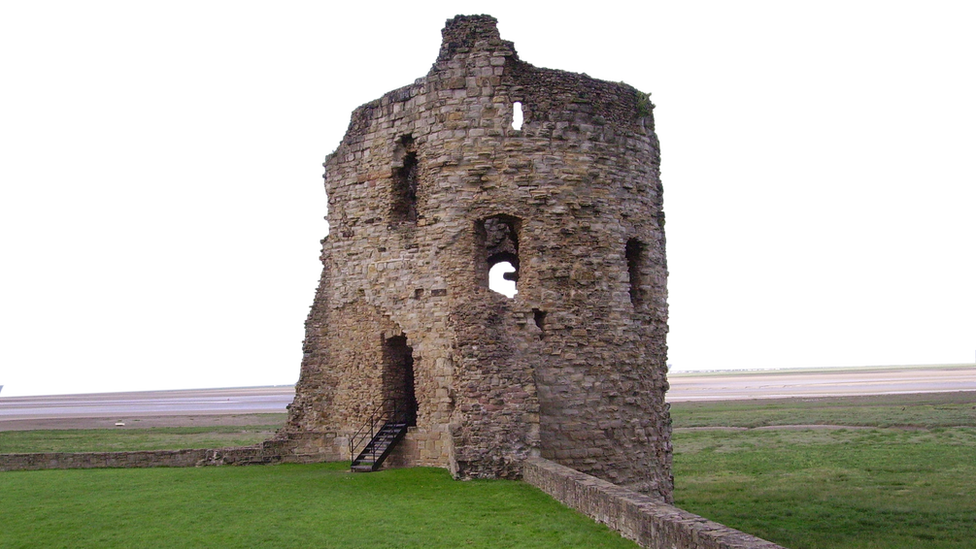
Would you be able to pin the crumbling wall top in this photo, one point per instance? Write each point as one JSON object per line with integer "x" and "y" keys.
{"x": 468, "y": 32}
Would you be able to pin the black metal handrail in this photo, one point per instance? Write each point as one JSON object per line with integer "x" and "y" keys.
{"x": 368, "y": 430}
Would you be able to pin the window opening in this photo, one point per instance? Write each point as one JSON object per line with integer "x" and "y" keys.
{"x": 635, "y": 258}
{"x": 540, "y": 321}
{"x": 517, "y": 116}
{"x": 497, "y": 256}
{"x": 403, "y": 206}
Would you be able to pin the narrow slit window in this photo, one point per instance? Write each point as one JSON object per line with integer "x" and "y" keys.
{"x": 635, "y": 258}
{"x": 499, "y": 281}
{"x": 539, "y": 317}
{"x": 403, "y": 207}
{"x": 517, "y": 116}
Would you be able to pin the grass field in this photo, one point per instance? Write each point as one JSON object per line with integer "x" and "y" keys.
{"x": 156, "y": 438}
{"x": 902, "y": 474}
{"x": 284, "y": 506}
{"x": 851, "y": 472}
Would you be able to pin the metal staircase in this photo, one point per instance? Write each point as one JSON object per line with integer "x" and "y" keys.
{"x": 382, "y": 431}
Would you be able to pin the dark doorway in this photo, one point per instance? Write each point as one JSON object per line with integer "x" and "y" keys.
{"x": 398, "y": 379}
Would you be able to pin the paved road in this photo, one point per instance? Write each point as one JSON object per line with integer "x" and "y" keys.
{"x": 684, "y": 387}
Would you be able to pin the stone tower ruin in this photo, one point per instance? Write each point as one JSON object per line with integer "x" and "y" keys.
{"x": 431, "y": 186}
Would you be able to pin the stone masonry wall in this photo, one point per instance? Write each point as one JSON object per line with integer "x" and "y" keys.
{"x": 241, "y": 455}
{"x": 430, "y": 187}
{"x": 637, "y": 517}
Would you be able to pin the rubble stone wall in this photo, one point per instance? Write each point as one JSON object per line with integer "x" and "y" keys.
{"x": 241, "y": 455}
{"x": 637, "y": 517}
{"x": 431, "y": 185}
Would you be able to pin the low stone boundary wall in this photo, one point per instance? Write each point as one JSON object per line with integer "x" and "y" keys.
{"x": 243, "y": 455}
{"x": 638, "y": 517}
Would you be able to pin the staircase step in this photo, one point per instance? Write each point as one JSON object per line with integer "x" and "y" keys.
{"x": 379, "y": 447}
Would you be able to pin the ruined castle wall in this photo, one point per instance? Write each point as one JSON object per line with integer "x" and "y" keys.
{"x": 582, "y": 178}
{"x": 429, "y": 187}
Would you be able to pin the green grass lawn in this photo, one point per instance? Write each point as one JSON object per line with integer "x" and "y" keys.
{"x": 117, "y": 440}
{"x": 283, "y": 506}
{"x": 875, "y": 487}
{"x": 901, "y": 474}
{"x": 916, "y": 410}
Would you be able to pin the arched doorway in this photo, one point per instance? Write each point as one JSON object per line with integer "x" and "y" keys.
{"x": 398, "y": 379}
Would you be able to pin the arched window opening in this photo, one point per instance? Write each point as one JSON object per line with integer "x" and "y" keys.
{"x": 497, "y": 253}
{"x": 517, "y": 116}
